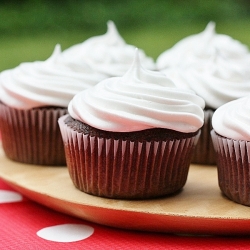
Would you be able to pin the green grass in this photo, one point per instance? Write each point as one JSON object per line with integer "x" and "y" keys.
{"x": 153, "y": 40}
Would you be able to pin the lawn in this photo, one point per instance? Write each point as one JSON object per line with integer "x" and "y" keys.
{"x": 153, "y": 40}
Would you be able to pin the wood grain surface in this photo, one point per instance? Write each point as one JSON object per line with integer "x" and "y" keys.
{"x": 199, "y": 208}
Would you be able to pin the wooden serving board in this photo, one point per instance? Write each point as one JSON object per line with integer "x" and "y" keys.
{"x": 199, "y": 208}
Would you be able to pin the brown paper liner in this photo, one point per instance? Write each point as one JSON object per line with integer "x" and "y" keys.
{"x": 32, "y": 136}
{"x": 125, "y": 169}
{"x": 204, "y": 151}
{"x": 233, "y": 163}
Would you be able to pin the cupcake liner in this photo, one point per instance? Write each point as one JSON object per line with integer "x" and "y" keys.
{"x": 32, "y": 136}
{"x": 123, "y": 168}
{"x": 204, "y": 151}
{"x": 233, "y": 163}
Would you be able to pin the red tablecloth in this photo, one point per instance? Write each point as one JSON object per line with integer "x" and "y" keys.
{"x": 27, "y": 225}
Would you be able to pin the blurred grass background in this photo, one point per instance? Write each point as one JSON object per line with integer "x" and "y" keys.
{"x": 31, "y": 28}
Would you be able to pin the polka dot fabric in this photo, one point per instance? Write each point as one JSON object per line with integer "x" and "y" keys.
{"x": 27, "y": 225}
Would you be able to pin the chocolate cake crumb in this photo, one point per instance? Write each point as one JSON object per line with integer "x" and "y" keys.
{"x": 155, "y": 134}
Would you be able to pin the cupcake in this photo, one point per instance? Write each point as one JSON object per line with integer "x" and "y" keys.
{"x": 231, "y": 138}
{"x": 123, "y": 138}
{"x": 216, "y": 67}
{"x": 32, "y": 98}
{"x": 109, "y": 54}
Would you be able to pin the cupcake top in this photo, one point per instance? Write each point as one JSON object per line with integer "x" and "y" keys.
{"x": 232, "y": 120}
{"x": 215, "y": 66}
{"x": 217, "y": 81}
{"x": 108, "y": 53}
{"x": 202, "y": 46}
{"x": 52, "y": 82}
{"x": 138, "y": 100}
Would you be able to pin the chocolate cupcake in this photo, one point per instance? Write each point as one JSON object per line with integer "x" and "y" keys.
{"x": 231, "y": 138}
{"x": 124, "y": 137}
{"x": 32, "y": 98}
{"x": 31, "y": 136}
{"x": 216, "y": 67}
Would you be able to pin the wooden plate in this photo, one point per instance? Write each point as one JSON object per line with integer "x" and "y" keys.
{"x": 199, "y": 208}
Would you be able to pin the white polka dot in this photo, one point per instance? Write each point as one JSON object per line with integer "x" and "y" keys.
{"x": 66, "y": 232}
{"x": 9, "y": 196}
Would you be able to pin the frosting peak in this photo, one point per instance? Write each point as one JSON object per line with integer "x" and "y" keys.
{"x": 55, "y": 54}
{"x": 206, "y": 38}
{"x": 108, "y": 53}
{"x": 138, "y": 100}
{"x": 214, "y": 65}
{"x": 202, "y": 46}
{"x": 138, "y": 74}
{"x": 112, "y": 36}
{"x": 52, "y": 82}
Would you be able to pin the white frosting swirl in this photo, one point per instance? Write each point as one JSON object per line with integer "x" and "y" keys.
{"x": 108, "y": 53}
{"x": 216, "y": 67}
{"x": 141, "y": 99}
{"x": 53, "y": 82}
{"x": 232, "y": 120}
{"x": 205, "y": 45}
{"x": 217, "y": 82}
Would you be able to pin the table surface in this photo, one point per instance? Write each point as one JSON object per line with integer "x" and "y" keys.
{"x": 27, "y": 225}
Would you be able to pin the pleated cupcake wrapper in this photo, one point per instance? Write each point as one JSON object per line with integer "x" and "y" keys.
{"x": 126, "y": 169}
{"x": 32, "y": 136}
{"x": 204, "y": 151}
{"x": 233, "y": 163}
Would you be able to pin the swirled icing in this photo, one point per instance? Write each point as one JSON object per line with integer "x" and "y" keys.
{"x": 108, "y": 53}
{"x": 52, "y": 82}
{"x": 140, "y": 99}
{"x": 217, "y": 82}
{"x": 232, "y": 120}
{"x": 217, "y": 70}
{"x": 202, "y": 46}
